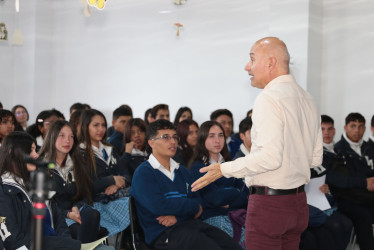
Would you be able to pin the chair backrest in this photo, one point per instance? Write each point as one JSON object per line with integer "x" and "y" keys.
{"x": 137, "y": 233}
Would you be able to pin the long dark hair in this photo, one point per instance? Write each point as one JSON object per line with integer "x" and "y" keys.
{"x": 33, "y": 129}
{"x": 200, "y": 152}
{"x": 82, "y": 174}
{"x": 84, "y": 135}
{"x": 127, "y": 135}
{"x": 13, "y": 150}
{"x": 183, "y": 131}
{"x": 179, "y": 114}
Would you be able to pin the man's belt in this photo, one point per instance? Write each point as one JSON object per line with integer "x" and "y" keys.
{"x": 270, "y": 191}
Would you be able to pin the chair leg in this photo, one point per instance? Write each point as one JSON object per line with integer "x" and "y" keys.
{"x": 117, "y": 243}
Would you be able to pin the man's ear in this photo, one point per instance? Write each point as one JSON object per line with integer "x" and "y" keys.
{"x": 241, "y": 135}
{"x": 345, "y": 128}
{"x": 151, "y": 143}
{"x": 372, "y": 129}
{"x": 113, "y": 122}
{"x": 272, "y": 62}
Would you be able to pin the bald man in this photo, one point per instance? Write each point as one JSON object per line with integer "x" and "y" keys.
{"x": 286, "y": 143}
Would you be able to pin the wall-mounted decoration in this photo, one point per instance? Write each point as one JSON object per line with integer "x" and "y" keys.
{"x": 3, "y": 32}
{"x": 178, "y": 25}
{"x": 98, "y": 4}
{"x": 180, "y": 2}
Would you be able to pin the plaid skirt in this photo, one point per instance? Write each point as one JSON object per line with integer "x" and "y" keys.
{"x": 114, "y": 215}
{"x": 223, "y": 222}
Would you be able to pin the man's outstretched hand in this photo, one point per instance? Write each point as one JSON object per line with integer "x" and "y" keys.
{"x": 213, "y": 172}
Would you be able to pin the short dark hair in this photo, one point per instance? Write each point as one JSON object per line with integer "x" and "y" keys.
{"x": 1, "y": 105}
{"x": 147, "y": 112}
{"x": 249, "y": 113}
{"x": 327, "y": 119}
{"x": 77, "y": 106}
{"x": 121, "y": 111}
{"x": 156, "y": 108}
{"x": 245, "y": 125}
{"x": 153, "y": 129}
{"x": 372, "y": 121}
{"x": 58, "y": 114}
{"x": 352, "y": 117}
{"x": 215, "y": 114}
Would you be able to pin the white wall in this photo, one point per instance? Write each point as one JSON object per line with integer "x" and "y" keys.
{"x": 347, "y": 60}
{"x": 129, "y": 53}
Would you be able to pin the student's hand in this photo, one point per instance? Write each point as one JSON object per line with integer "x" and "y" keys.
{"x": 120, "y": 181}
{"x": 213, "y": 173}
{"x": 199, "y": 213}
{"x": 129, "y": 147}
{"x": 111, "y": 190}
{"x": 75, "y": 215}
{"x": 324, "y": 188}
{"x": 226, "y": 206}
{"x": 167, "y": 220}
{"x": 370, "y": 184}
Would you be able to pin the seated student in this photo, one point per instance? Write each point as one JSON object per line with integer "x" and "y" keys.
{"x": 109, "y": 174}
{"x": 39, "y": 129}
{"x": 121, "y": 117}
{"x": 75, "y": 107}
{"x": 351, "y": 179}
{"x": 245, "y": 127}
{"x": 75, "y": 120}
{"x": 111, "y": 129}
{"x": 16, "y": 207}
{"x": 338, "y": 226}
{"x": 187, "y": 132}
{"x": 148, "y": 116}
{"x": 58, "y": 114}
{"x": 160, "y": 111}
{"x": 134, "y": 141}
{"x": 371, "y": 137}
{"x": 183, "y": 113}
{"x": 224, "y": 194}
{"x": 166, "y": 207}
{"x": 224, "y": 117}
{"x": 7, "y": 123}
{"x": 21, "y": 114}
{"x": 72, "y": 182}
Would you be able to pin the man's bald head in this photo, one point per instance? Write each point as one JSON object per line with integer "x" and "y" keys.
{"x": 274, "y": 47}
{"x": 269, "y": 59}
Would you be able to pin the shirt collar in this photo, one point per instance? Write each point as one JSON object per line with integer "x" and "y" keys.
{"x": 98, "y": 151}
{"x": 282, "y": 78}
{"x": 356, "y": 146}
{"x": 220, "y": 159}
{"x": 371, "y": 137}
{"x": 329, "y": 146}
{"x": 244, "y": 149}
{"x": 228, "y": 139}
{"x": 157, "y": 165}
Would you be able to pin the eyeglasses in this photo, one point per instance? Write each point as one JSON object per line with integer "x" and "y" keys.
{"x": 21, "y": 113}
{"x": 167, "y": 138}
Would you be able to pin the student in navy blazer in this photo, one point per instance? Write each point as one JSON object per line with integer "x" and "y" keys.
{"x": 225, "y": 194}
{"x": 16, "y": 204}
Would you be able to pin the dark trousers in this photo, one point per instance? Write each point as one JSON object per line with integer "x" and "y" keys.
{"x": 275, "y": 222}
{"x": 362, "y": 217}
{"x": 317, "y": 238}
{"x": 60, "y": 243}
{"x": 195, "y": 235}
{"x": 340, "y": 227}
{"x": 89, "y": 230}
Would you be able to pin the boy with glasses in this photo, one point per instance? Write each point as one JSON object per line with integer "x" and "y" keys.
{"x": 166, "y": 207}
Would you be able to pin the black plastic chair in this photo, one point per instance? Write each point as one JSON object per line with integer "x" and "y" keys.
{"x": 137, "y": 234}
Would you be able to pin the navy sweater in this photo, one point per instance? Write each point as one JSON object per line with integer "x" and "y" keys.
{"x": 224, "y": 191}
{"x": 155, "y": 195}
